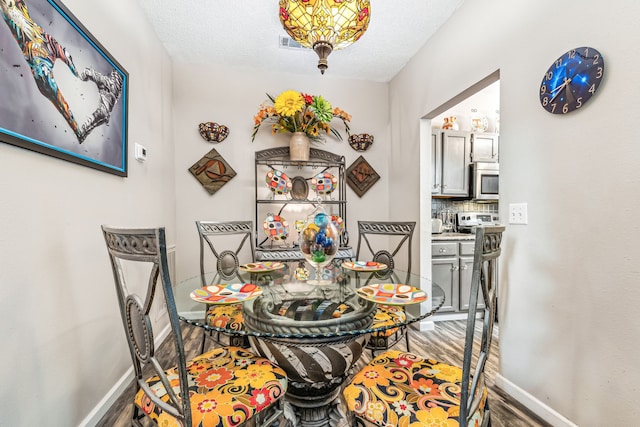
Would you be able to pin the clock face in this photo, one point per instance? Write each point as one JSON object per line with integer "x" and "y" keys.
{"x": 571, "y": 80}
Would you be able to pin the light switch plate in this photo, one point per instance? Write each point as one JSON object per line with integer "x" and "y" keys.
{"x": 518, "y": 213}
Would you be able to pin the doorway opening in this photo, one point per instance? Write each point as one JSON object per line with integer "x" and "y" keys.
{"x": 479, "y": 100}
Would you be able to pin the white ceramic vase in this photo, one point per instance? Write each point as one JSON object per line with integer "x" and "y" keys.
{"x": 299, "y": 147}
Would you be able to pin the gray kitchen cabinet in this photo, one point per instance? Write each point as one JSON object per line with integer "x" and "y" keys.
{"x": 451, "y": 152}
{"x": 451, "y": 269}
{"x": 484, "y": 147}
{"x": 465, "y": 264}
{"x": 443, "y": 271}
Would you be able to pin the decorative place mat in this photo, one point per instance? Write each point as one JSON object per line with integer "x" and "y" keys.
{"x": 392, "y": 294}
{"x": 364, "y": 265}
{"x": 261, "y": 267}
{"x": 226, "y": 293}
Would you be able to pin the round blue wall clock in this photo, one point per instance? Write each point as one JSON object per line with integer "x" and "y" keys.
{"x": 572, "y": 80}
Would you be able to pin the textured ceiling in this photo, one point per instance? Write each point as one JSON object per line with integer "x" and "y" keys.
{"x": 246, "y": 33}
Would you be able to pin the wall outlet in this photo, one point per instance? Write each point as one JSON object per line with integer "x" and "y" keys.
{"x": 518, "y": 213}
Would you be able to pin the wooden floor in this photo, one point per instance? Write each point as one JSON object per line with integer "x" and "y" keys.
{"x": 445, "y": 344}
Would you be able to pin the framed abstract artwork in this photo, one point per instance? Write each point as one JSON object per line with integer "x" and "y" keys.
{"x": 361, "y": 176}
{"x": 63, "y": 94}
{"x": 212, "y": 171}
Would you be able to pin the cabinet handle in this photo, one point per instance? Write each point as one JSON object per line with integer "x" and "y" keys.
{"x": 454, "y": 268}
{"x": 464, "y": 267}
{"x": 442, "y": 250}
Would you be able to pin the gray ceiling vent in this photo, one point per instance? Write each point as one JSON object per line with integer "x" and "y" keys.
{"x": 289, "y": 43}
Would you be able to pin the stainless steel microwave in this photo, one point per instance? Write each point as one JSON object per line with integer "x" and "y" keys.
{"x": 484, "y": 181}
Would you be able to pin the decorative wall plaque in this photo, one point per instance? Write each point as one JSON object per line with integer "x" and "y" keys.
{"x": 213, "y": 132}
{"x": 212, "y": 171}
{"x": 361, "y": 176}
{"x": 361, "y": 141}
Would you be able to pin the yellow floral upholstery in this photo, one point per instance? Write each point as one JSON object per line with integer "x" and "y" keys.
{"x": 387, "y": 315}
{"x": 227, "y": 386}
{"x": 228, "y": 316}
{"x": 402, "y": 389}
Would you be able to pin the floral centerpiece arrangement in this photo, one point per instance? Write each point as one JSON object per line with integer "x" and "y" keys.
{"x": 294, "y": 111}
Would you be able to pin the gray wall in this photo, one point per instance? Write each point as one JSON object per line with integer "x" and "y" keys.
{"x": 569, "y": 279}
{"x": 232, "y": 97}
{"x": 63, "y": 345}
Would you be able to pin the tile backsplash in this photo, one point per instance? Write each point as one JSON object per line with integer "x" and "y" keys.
{"x": 438, "y": 205}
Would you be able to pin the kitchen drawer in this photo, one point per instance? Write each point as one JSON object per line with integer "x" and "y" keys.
{"x": 467, "y": 248}
{"x": 444, "y": 249}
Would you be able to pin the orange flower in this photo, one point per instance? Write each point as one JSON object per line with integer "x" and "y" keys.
{"x": 425, "y": 386}
{"x": 372, "y": 376}
{"x": 213, "y": 405}
{"x": 214, "y": 377}
{"x": 337, "y": 112}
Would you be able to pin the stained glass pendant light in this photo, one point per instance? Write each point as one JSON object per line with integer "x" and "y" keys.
{"x": 325, "y": 25}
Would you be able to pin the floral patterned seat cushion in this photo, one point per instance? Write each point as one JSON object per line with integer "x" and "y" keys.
{"x": 228, "y": 316}
{"x": 402, "y": 389}
{"x": 387, "y": 315}
{"x": 227, "y": 386}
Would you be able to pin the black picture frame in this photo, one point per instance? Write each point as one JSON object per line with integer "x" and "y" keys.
{"x": 64, "y": 95}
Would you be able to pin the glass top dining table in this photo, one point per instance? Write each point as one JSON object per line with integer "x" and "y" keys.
{"x": 285, "y": 305}
{"x": 314, "y": 328}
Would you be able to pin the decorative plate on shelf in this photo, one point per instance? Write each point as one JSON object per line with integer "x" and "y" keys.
{"x": 227, "y": 293}
{"x": 392, "y": 294}
{"x": 278, "y": 181}
{"x": 299, "y": 188}
{"x": 276, "y": 227}
{"x": 364, "y": 265}
{"x": 261, "y": 267}
{"x": 324, "y": 183}
{"x": 479, "y": 122}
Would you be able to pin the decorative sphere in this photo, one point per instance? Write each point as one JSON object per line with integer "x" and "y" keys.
{"x": 321, "y": 219}
{"x": 319, "y": 240}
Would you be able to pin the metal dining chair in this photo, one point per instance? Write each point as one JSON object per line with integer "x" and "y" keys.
{"x": 373, "y": 235}
{"x": 216, "y": 389}
{"x": 215, "y": 240}
{"x": 407, "y": 389}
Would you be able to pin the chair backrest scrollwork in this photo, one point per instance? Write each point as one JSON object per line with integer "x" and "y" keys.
{"x": 404, "y": 230}
{"x": 132, "y": 251}
{"x": 227, "y": 261}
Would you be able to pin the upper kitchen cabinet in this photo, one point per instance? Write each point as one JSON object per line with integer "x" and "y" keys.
{"x": 451, "y": 156}
{"x": 484, "y": 147}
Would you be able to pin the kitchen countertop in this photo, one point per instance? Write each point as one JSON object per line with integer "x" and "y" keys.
{"x": 452, "y": 236}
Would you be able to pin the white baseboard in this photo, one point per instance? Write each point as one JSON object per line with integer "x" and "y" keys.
{"x": 118, "y": 388}
{"x": 426, "y": 325}
{"x": 533, "y": 404}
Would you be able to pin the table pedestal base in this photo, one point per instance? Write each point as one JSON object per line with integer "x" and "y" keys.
{"x": 316, "y": 373}
{"x": 319, "y": 411}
